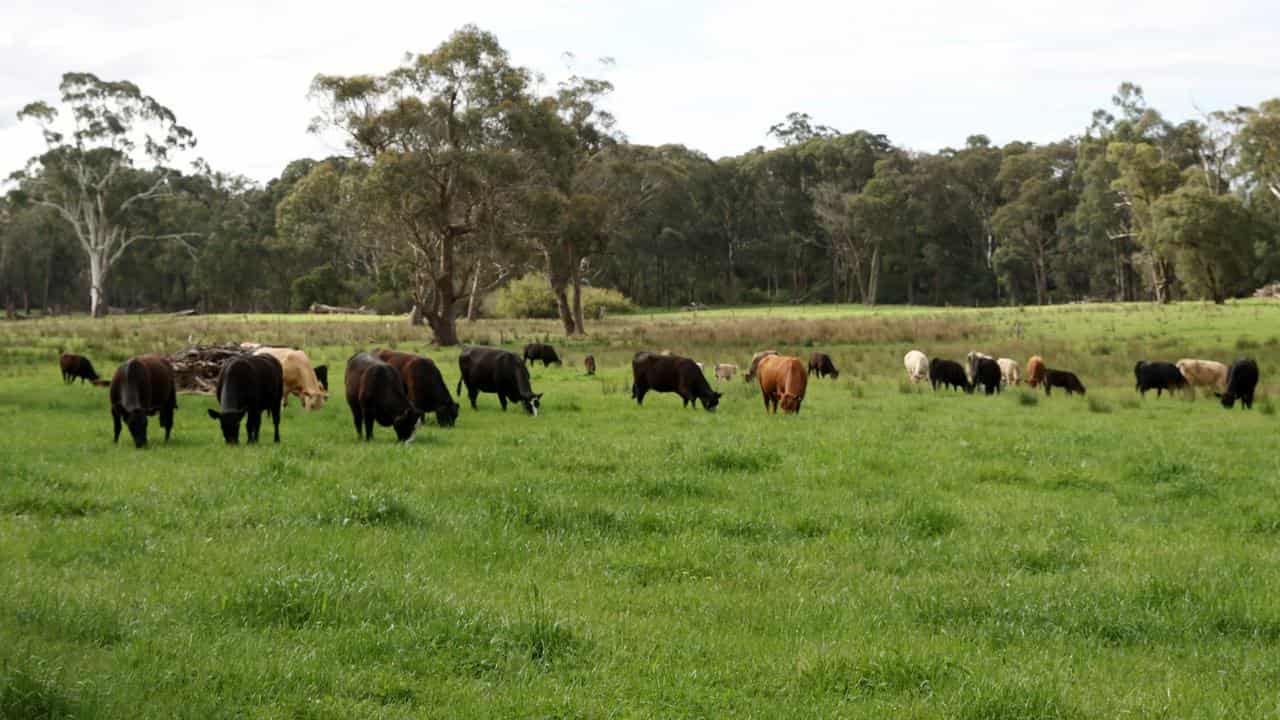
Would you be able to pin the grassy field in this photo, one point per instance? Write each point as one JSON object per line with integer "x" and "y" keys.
{"x": 891, "y": 552}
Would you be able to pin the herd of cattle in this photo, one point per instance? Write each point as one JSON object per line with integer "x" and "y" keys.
{"x": 398, "y": 389}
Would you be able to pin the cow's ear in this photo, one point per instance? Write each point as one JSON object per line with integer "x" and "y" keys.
{"x": 537, "y": 396}
{"x": 215, "y": 414}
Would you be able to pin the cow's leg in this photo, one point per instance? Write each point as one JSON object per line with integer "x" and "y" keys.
{"x": 765, "y": 397}
{"x": 472, "y": 394}
{"x": 252, "y": 426}
{"x": 115, "y": 421}
{"x": 368, "y": 427}
{"x": 640, "y": 391}
{"x": 358, "y": 419}
{"x": 502, "y": 400}
{"x": 275, "y": 420}
{"x": 166, "y": 421}
{"x": 1046, "y": 390}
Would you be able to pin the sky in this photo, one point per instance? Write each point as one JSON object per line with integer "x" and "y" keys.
{"x": 711, "y": 75}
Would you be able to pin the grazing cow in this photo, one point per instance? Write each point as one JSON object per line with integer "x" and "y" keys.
{"x": 322, "y": 374}
{"x": 725, "y": 371}
{"x": 1010, "y": 372}
{"x": 917, "y": 365}
{"x": 987, "y": 373}
{"x": 1158, "y": 376}
{"x": 1204, "y": 373}
{"x": 589, "y": 362}
{"x": 423, "y": 384}
{"x": 755, "y": 360}
{"x": 1063, "y": 379}
{"x": 820, "y": 364}
{"x": 1035, "y": 370}
{"x": 247, "y": 386}
{"x": 671, "y": 373}
{"x": 782, "y": 380}
{"x": 971, "y": 366}
{"x": 949, "y": 373}
{"x": 143, "y": 386}
{"x": 1241, "y": 381}
{"x": 77, "y": 366}
{"x": 539, "y": 351}
{"x": 375, "y": 392}
{"x": 493, "y": 370}
{"x": 299, "y": 377}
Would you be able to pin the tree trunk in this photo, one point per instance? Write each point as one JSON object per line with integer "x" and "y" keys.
{"x": 471, "y": 299}
{"x": 580, "y": 325}
{"x": 563, "y": 308}
{"x": 873, "y": 282}
{"x": 97, "y": 285}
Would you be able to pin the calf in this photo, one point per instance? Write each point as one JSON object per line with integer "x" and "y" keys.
{"x": 1010, "y": 373}
{"x": 1158, "y": 376}
{"x": 589, "y": 362}
{"x": 539, "y": 351}
{"x": 143, "y": 386}
{"x": 1035, "y": 370}
{"x": 820, "y": 364}
{"x": 1063, "y": 379}
{"x": 1242, "y": 378}
{"x": 725, "y": 371}
{"x": 755, "y": 360}
{"x": 782, "y": 380}
{"x": 917, "y": 365}
{"x": 375, "y": 392}
{"x": 987, "y": 373}
{"x": 77, "y": 366}
{"x": 423, "y": 384}
{"x": 1204, "y": 373}
{"x": 493, "y": 370}
{"x": 671, "y": 373}
{"x": 247, "y": 386}
{"x": 948, "y": 373}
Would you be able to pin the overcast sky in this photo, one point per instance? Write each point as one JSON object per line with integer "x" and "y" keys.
{"x": 713, "y": 75}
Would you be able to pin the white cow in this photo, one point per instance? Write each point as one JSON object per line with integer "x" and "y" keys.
{"x": 1204, "y": 373}
{"x": 1010, "y": 372}
{"x": 917, "y": 365}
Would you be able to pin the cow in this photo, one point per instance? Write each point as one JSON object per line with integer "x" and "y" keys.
{"x": 539, "y": 351}
{"x": 1204, "y": 373}
{"x": 820, "y": 364}
{"x": 1242, "y": 378}
{"x": 77, "y": 366}
{"x": 917, "y": 365}
{"x": 671, "y": 373}
{"x": 1010, "y": 372}
{"x": 987, "y": 373}
{"x": 782, "y": 380}
{"x": 299, "y": 377}
{"x": 1035, "y": 370}
{"x": 1063, "y": 379}
{"x": 725, "y": 371}
{"x": 375, "y": 392}
{"x": 589, "y": 362}
{"x": 755, "y": 360}
{"x": 423, "y": 384}
{"x": 971, "y": 365}
{"x": 949, "y": 373}
{"x": 493, "y": 370}
{"x": 143, "y": 386}
{"x": 247, "y": 386}
{"x": 1158, "y": 376}
{"x": 322, "y": 374}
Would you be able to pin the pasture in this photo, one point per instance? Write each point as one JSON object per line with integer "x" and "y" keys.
{"x": 889, "y": 552}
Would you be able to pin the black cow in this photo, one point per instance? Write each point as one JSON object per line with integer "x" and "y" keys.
{"x": 493, "y": 370}
{"x": 949, "y": 373}
{"x": 423, "y": 383}
{"x": 247, "y": 386}
{"x": 77, "y": 366}
{"x": 1158, "y": 376}
{"x": 820, "y": 364}
{"x": 143, "y": 386}
{"x": 1063, "y": 379}
{"x": 671, "y": 373}
{"x": 589, "y": 362}
{"x": 376, "y": 392}
{"x": 322, "y": 374}
{"x": 1242, "y": 378}
{"x": 987, "y": 374}
{"x": 539, "y": 351}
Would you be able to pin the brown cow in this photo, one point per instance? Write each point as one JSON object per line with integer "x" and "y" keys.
{"x": 755, "y": 362}
{"x": 589, "y": 362}
{"x": 820, "y": 364}
{"x": 782, "y": 380}
{"x": 1035, "y": 370}
{"x": 375, "y": 392}
{"x": 423, "y": 383}
{"x": 143, "y": 386}
{"x": 78, "y": 366}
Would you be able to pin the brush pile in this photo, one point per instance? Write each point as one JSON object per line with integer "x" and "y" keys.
{"x": 196, "y": 368}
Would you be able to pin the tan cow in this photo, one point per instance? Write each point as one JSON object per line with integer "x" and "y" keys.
{"x": 755, "y": 363}
{"x": 299, "y": 377}
{"x": 725, "y": 371}
{"x": 1010, "y": 372}
{"x": 1204, "y": 373}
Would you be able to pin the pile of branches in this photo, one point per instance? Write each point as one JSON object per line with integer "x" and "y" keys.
{"x": 1270, "y": 290}
{"x": 196, "y": 368}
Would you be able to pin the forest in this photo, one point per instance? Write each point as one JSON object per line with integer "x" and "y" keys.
{"x": 463, "y": 173}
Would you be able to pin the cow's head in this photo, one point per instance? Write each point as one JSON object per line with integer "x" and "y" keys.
{"x": 835, "y": 374}
{"x": 1228, "y": 399}
{"x": 230, "y": 425}
{"x": 313, "y": 400}
{"x": 447, "y": 414}
{"x": 532, "y": 403}
{"x": 136, "y": 420}
{"x": 711, "y": 401}
{"x": 790, "y": 402}
{"x": 407, "y": 424}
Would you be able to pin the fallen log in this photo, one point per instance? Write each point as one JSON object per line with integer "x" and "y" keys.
{"x": 322, "y": 309}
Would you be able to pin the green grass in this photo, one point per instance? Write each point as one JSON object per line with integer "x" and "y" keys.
{"x": 887, "y": 553}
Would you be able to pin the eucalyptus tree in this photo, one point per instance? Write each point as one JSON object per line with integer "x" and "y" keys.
{"x": 88, "y": 173}
{"x": 1037, "y": 180}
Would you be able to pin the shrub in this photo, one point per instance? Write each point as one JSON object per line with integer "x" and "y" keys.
{"x": 531, "y": 297}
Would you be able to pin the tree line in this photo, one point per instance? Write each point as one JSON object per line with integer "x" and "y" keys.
{"x": 463, "y": 172}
